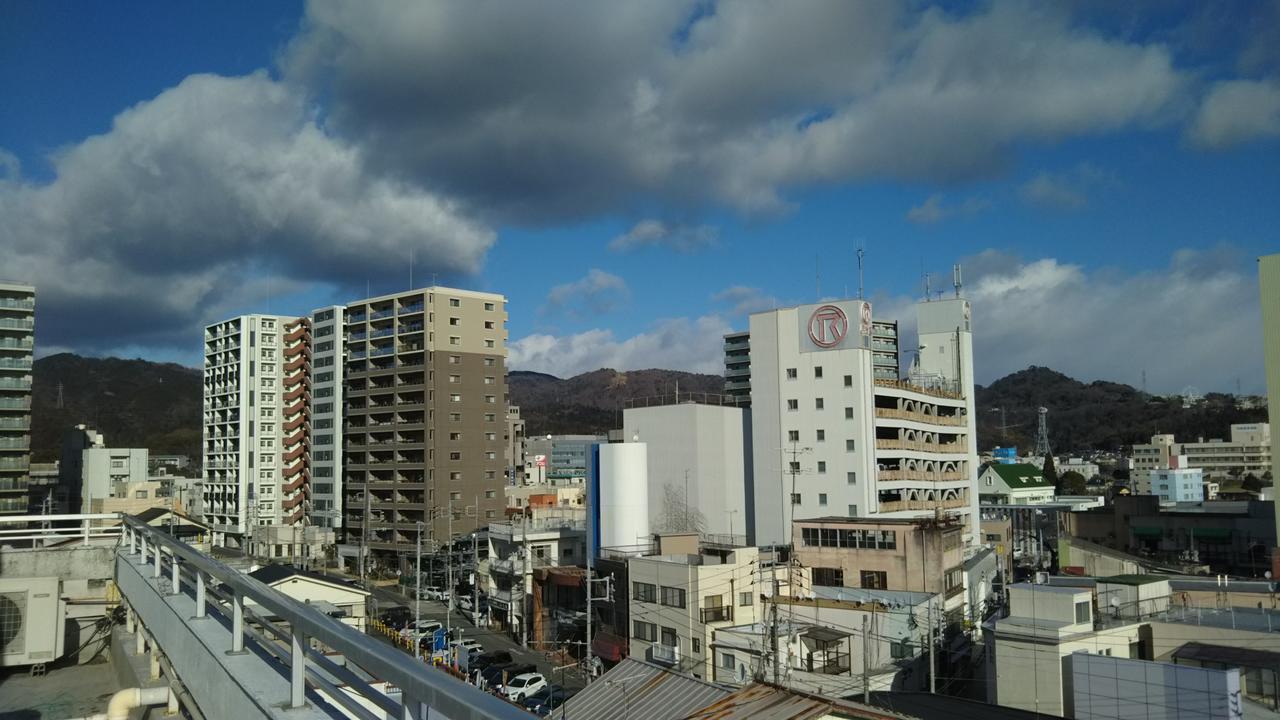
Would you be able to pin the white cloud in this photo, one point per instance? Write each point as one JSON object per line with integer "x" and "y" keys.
{"x": 743, "y": 300}
{"x": 1051, "y": 191}
{"x": 655, "y": 233}
{"x": 934, "y": 210}
{"x": 596, "y": 293}
{"x": 1195, "y": 322}
{"x": 216, "y": 193}
{"x": 1237, "y": 111}
{"x": 567, "y": 120}
{"x": 675, "y": 344}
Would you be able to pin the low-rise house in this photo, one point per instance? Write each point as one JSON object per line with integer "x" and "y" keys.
{"x": 1013, "y": 484}
{"x": 333, "y": 596}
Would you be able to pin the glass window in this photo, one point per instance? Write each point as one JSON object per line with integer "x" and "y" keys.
{"x": 455, "y": 302}
{"x": 793, "y": 404}
{"x": 488, "y": 306}
{"x": 849, "y": 446}
{"x": 822, "y": 469}
{"x": 828, "y": 577}
{"x": 645, "y": 631}
{"x": 848, "y": 413}
{"x": 745, "y": 598}
{"x": 1083, "y": 612}
{"x": 822, "y": 498}
{"x": 672, "y": 596}
{"x": 817, "y": 372}
{"x": 795, "y": 498}
{"x": 822, "y": 435}
{"x": 848, "y": 381}
{"x": 791, "y": 373}
{"x": 817, "y": 403}
{"x": 793, "y": 436}
{"x": 851, "y": 477}
{"x": 644, "y": 592}
{"x": 874, "y": 579}
{"x": 669, "y": 637}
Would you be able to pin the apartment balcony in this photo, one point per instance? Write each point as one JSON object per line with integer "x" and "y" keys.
{"x": 413, "y": 308}
{"x": 895, "y": 414}
{"x": 15, "y": 364}
{"x": 11, "y": 403}
{"x": 901, "y": 505}
{"x": 18, "y": 484}
{"x": 920, "y": 446}
{"x": 382, "y": 332}
{"x": 13, "y": 344}
{"x": 918, "y": 476}
{"x": 15, "y": 443}
{"x": 16, "y": 324}
{"x": 884, "y": 345}
{"x": 18, "y": 423}
{"x": 379, "y": 314}
{"x": 15, "y": 383}
{"x": 738, "y": 372}
{"x": 14, "y": 464}
{"x": 723, "y": 613}
{"x": 882, "y": 331}
{"x": 921, "y": 389}
{"x": 17, "y": 304}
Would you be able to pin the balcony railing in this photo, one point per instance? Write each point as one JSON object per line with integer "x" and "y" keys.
{"x": 918, "y": 475}
{"x": 11, "y": 344}
{"x": 723, "y": 613}
{"x": 922, "y": 389}
{"x": 17, "y": 304}
{"x": 896, "y": 414}
{"x": 13, "y": 324}
{"x": 379, "y": 314}
{"x": 900, "y": 505}
{"x": 664, "y": 654}
{"x": 15, "y": 383}
{"x": 893, "y": 444}
{"x": 15, "y": 363}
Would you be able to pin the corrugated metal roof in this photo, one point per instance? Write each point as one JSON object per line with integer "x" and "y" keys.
{"x": 767, "y": 702}
{"x": 638, "y": 689}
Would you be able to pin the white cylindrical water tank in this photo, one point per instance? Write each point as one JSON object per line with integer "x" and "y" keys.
{"x": 624, "y": 494}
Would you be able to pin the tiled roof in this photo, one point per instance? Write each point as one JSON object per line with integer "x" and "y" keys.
{"x": 638, "y": 689}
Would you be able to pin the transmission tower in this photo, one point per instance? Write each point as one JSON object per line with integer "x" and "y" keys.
{"x": 1042, "y": 433}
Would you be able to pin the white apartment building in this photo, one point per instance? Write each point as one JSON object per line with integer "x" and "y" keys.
{"x": 1176, "y": 484}
{"x": 517, "y": 548}
{"x": 1269, "y": 287}
{"x": 677, "y": 602}
{"x": 1247, "y": 452}
{"x": 17, "y": 342}
{"x": 836, "y": 432}
{"x": 699, "y": 466}
{"x": 101, "y": 468}
{"x": 249, "y": 400}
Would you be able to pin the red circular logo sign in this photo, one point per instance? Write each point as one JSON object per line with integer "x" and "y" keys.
{"x": 827, "y": 326}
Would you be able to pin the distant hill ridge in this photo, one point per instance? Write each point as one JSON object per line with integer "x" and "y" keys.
{"x": 137, "y": 403}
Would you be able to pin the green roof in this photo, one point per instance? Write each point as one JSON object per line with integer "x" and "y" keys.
{"x": 1020, "y": 475}
{"x": 1133, "y": 579}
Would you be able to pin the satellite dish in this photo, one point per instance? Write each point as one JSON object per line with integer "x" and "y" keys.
{"x": 741, "y": 674}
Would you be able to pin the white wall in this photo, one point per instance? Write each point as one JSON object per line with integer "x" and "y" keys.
{"x": 102, "y": 468}
{"x": 707, "y": 442}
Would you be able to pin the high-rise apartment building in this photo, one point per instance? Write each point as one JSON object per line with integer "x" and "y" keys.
{"x": 255, "y": 428}
{"x": 426, "y": 417}
{"x": 1269, "y": 286}
{"x": 17, "y": 341}
{"x": 328, "y": 333}
{"x": 836, "y": 431}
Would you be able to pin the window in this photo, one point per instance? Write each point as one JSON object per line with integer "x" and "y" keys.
{"x": 458, "y": 476}
{"x": 822, "y": 436}
{"x": 455, "y": 378}
{"x": 727, "y": 661}
{"x": 490, "y": 436}
{"x": 117, "y": 463}
{"x": 490, "y": 399}
{"x": 455, "y": 436}
{"x": 140, "y": 494}
{"x": 848, "y": 413}
{"x": 793, "y": 405}
{"x": 794, "y": 466}
{"x": 809, "y": 536}
{"x": 791, "y": 373}
{"x": 817, "y": 372}
{"x": 490, "y": 474}
{"x": 455, "y": 456}
{"x": 644, "y": 592}
{"x": 745, "y": 599}
{"x": 455, "y": 496}
{"x": 455, "y": 359}
{"x": 851, "y": 478}
{"x": 488, "y": 324}
{"x": 793, "y": 436}
{"x": 455, "y": 321}
{"x": 673, "y": 596}
{"x": 455, "y": 417}
{"x": 455, "y": 397}
{"x": 848, "y": 381}
{"x": 853, "y": 511}
{"x": 697, "y": 646}
{"x": 822, "y": 469}
{"x": 795, "y": 498}
{"x": 491, "y": 493}
{"x": 490, "y": 456}
{"x": 822, "y": 499}
{"x": 645, "y": 631}
{"x": 828, "y": 577}
{"x": 488, "y": 343}
{"x": 455, "y": 302}
{"x": 669, "y": 637}
{"x": 873, "y": 580}
{"x": 849, "y": 446}
{"x": 490, "y": 362}
{"x": 488, "y": 306}
{"x": 491, "y": 513}
{"x": 817, "y": 403}
{"x": 1083, "y": 612}
{"x": 490, "y": 417}
{"x": 488, "y": 380}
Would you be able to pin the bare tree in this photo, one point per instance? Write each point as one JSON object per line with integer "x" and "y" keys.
{"x": 677, "y": 514}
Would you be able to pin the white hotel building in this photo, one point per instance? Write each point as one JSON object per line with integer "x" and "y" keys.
{"x": 824, "y": 384}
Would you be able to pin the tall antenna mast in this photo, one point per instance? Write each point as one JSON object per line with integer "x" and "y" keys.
{"x": 861, "y": 253}
{"x": 1042, "y": 433}
{"x": 928, "y": 291}
{"x": 955, "y": 278}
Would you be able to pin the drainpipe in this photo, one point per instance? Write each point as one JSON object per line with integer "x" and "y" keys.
{"x": 124, "y": 701}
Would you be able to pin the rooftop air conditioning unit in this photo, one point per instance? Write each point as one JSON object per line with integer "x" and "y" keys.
{"x": 1042, "y": 578}
{"x": 31, "y": 621}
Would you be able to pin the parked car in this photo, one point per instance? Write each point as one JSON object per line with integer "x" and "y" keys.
{"x": 546, "y": 700}
{"x": 425, "y": 627}
{"x": 468, "y": 646}
{"x": 523, "y": 685}
{"x": 494, "y": 673}
{"x": 433, "y": 592}
{"x": 499, "y": 657}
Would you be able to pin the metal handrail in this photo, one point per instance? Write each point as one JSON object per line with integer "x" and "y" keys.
{"x": 418, "y": 684}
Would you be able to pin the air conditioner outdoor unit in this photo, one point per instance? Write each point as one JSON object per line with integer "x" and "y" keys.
{"x": 1042, "y": 578}
{"x": 31, "y": 621}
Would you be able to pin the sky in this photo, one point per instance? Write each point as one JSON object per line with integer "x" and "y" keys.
{"x": 637, "y": 178}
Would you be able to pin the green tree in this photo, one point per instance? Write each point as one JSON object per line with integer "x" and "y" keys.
{"x": 1050, "y": 473}
{"x": 1072, "y": 483}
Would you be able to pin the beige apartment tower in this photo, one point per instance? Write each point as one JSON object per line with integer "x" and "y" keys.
{"x": 17, "y": 333}
{"x": 1269, "y": 284}
{"x": 425, "y": 419}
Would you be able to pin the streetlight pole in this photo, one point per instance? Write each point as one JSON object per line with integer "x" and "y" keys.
{"x": 417, "y": 594}
{"x": 448, "y": 603}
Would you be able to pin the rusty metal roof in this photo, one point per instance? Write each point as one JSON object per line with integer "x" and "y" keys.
{"x": 759, "y": 701}
{"x": 638, "y": 689}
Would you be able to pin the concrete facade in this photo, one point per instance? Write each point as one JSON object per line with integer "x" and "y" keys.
{"x": 1172, "y": 485}
{"x": 699, "y": 461}
{"x": 884, "y": 554}
{"x": 834, "y": 429}
{"x": 1269, "y": 288}
{"x": 17, "y": 344}
{"x": 328, "y": 392}
{"x": 1013, "y": 484}
{"x": 1247, "y": 451}
{"x": 103, "y": 468}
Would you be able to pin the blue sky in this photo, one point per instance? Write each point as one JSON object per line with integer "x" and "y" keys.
{"x": 640, "y": 177}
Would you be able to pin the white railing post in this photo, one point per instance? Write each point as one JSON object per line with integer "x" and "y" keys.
{"x": 133, "y": 540}
{"x": 298, "y": 670}
{"x": 143, "y": 558}
{"x": 200, "y": 599}
{"x": 155, "y": 572}
{"x": 237, "y": 622}
{"x": 176, "y": 586}
{"x": 84, "y": 531}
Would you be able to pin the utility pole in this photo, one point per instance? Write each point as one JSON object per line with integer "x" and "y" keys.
{"x": 524, "y": 581}
{"x": 773, "y": 623}
{"x": 475, "y": 570}
{"x": 932, "y": 668}
{"x": 417, "y": 594}
{"x": 866, "y": 660}
{"x": 448, "y": 556}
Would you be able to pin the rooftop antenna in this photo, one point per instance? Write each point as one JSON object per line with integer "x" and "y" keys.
{"x": 861, "y": 253}
{"x": 928, "y": 291}
{"x": 955, "y": 278}
{"x": 1042, "y": 432}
